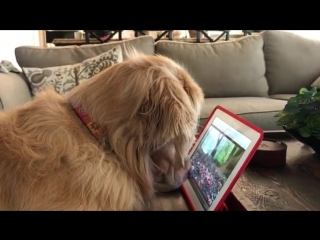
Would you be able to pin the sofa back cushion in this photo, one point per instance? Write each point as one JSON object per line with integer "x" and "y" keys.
{"x": 39, "y": 57}
{"x": 292, "y": 61}
{"x": 223, "y": 69}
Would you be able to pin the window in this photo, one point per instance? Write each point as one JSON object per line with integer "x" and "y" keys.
{"x": 10, "y": 39}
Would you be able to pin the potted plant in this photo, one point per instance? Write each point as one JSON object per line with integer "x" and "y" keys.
{"x": 301, "y": 117}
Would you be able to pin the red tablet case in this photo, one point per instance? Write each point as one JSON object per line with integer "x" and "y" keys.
{"x": 222, "y": 206}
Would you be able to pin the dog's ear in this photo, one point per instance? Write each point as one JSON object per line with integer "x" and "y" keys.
{"x": 193, "y": 90}
{"x": 167, "y": 112}
{"x": 135, "y": 158}
{"x": 164, "y": 113}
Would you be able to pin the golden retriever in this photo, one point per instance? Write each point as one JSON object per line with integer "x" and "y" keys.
{"x": 145, "y": 106}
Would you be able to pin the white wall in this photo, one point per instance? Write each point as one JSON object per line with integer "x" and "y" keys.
{"x": 10, "y": 39}
{"x": 185, "y": 33}
{"x": 313, "y": 34}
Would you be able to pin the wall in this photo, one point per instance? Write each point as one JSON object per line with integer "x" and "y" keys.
{"x": 313, "y": 34}
{"x": 183, "y": 33}
{"x": 231, "y": 32}
{"x": 10, "y": 39}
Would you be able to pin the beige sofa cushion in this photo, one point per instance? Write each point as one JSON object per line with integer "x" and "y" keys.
{"x": 223, "y": 69}
{"x": 282, "y": 96}
{"x": 292, "y": 61}
{"x": 63, "y": 79}
{"x": 38, "y": 57}
{"x": 257, "y": 110}
{"x": 316, "y": 83}
{"x": 14, "y": 91}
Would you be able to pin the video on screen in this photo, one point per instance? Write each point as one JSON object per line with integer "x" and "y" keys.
{"x": 212, "y": 163}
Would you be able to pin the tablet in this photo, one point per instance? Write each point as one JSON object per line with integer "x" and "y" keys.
{"x": 220, "y": 154}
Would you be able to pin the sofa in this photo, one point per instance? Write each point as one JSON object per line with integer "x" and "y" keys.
{"x": 253, "y": 76}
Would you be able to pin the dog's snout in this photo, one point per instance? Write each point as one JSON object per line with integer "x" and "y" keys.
{"x": 186, "y": 176}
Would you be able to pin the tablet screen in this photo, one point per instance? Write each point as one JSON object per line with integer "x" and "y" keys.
{"x": 217, "y": 154}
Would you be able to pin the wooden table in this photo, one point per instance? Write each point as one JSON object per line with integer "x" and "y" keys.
{"x": 296, "y": 187}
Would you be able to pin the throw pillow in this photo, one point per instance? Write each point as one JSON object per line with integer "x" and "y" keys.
{"x": 316, "y": 83}
{"x": 64, "y": 78}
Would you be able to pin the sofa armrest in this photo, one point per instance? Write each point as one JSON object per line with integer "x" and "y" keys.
{"x": 14, "y": 91}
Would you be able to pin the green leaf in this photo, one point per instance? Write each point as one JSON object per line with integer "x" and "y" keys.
{"x": 302, "y": 115}
{"x": 285, "y": 120}
{"x": 317, "y": 96}
{"x": 298, "y": 125}
{"x": 314, "y": 111}
{"x": 292, "y": 108}
{"x": 280, "y": 114}
{"x": 306, "y": 97}
{"x": 293, "y": 100}
{"x": 317, "y": 134}
{"x": 303, "y": 91}
{"x": 310, "y": 105}
{"x": 313, "y": 91}
{"x": 304, "y": 132}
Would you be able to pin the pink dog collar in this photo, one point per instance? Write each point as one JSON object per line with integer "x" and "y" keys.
{"x": 92, "y": 126}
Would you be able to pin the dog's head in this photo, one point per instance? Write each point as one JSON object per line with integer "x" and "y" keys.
{"x": 144, "y": 104}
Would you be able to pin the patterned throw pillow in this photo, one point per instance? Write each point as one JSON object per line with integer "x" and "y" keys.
{"x": 64, "y": 78}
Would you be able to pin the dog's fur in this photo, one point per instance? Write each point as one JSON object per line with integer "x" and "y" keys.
{"x": 147, "y": 106}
